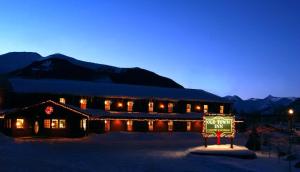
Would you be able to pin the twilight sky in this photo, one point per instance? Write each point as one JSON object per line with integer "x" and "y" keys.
{"x": 249, "y": 48}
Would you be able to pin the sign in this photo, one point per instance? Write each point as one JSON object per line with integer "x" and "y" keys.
{"x": 49, "y": 110}
{"x": 218, "y": 126}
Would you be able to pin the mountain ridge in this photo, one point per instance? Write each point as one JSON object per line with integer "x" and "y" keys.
{"x": 59, "y": 66}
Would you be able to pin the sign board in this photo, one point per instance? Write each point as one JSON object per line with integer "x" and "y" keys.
{"x": 218, "y": 125}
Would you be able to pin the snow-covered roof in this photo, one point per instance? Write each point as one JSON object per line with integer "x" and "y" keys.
{"x": 83, "y": 88}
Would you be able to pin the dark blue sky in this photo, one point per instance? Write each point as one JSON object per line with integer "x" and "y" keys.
{"x": 246, "y": 48}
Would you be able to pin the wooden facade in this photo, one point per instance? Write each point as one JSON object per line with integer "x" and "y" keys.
{"x": 46, "y": 119}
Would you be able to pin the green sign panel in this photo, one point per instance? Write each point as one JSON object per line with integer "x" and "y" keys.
{"x": 224, "y": 125}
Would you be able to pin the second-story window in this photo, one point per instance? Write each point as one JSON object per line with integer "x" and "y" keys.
{"x": 150, "y": 106}
{"x": 170, "y": 107}
{"x": 221, "y": 109}
{"x": 188, "y": 108}
{"x": 205, "y": 109}
{"x": 83, "y": 103}
{"x": 62, "y": 100}
{"x": 107, "y": 104}
{"x": 130, "y": 106}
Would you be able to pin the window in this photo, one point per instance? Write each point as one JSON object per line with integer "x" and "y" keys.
{"x": 83, "y": 103}
{"x": 188, "y": 108}
{"x": 150, "y": 106}
{"x": 62, "y": 100}
{"x": 205, "y": 108}
{"x": 189, "y": 126}
{"x": 129, "y": 125}
{"x": 107, "y": 104}
{"x": 107, "y": 125}
{"x": 170, "y": 107}
{"x": 47, "y": 123}
{"x": 20, "y": 123}
{"x": 150, "y": 125}
{"x": 62, "y": 123}
{"x": 222, "y": 109}
{"x": 83, "y": 124}
{"x": 170, "y": 126}
{"x": 54, "y": 123}
{"x": 130, "y": 106}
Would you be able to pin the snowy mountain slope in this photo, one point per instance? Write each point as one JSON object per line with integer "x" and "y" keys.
{"x": 58, "y": 66}
{"x": 16, "y": 60}
{"x": 268, "y": 105}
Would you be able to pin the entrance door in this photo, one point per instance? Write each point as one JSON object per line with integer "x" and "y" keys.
{"x": 36, "y": 128}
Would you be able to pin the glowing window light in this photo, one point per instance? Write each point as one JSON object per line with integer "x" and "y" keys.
{"x": 107, "y": 125}
{"x": 205, "y": 109}
{"x": 62, "y": 100}
{"x": 47, "y": 123}
{"x": 170, "y": 107}
{"x": 221, "y": 109}
{"x": 170, "y": 125}
{"x": 54, "y": 123}
{"x": 150, "y": 106}
{"x": 189, "y": 126}
{"x": 83, "y": 124}
{"x": 83, "y": 103}
{"x": 20, "y": 123}
{"x": 150, "y": 125}
{"x": 107, "y": 104}
{"x": 130, "y": 106}
{"x": 129, "y": 125}
{"x": 188, "y": 108}
{"x": 62, "y": 123}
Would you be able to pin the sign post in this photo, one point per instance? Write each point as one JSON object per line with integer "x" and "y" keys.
{"x": 219, "y": 126}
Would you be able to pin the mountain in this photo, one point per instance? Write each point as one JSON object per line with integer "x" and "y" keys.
{"x": 268, "y": 105}
{"x": 59, "y": 66}
{"x": 16, "y": 60}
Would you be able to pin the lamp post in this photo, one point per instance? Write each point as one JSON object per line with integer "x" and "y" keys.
{"x": 290, "y": 120}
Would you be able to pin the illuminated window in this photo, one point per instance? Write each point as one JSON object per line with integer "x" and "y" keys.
{"x": 20, "y": 123}
{"x": 130, "y": 106}
{"x": 189, "y": 126}
{"x": 62, "y": 123}
{"x": 221, "y": 109}
{"x": 107, "y": 125}
{"x": 54, "y": 123}
{"x": 150, "y": 105}
{"x": 83, "y": 124}
{"x": 107, "y": 104}
{"x": 129, "y": 125}
{"x": 170, "y": 107}
{"x": 83, "y": 103}
{"x": 170, "y": 126}
{"x": 198, "y": 107}
{"x": 205, "y": 109}
{"x": 150, "y": 125}
{"x": 188, "y": 108}
{"x": 62, "y": 100}
{"x": 47, "y": 123}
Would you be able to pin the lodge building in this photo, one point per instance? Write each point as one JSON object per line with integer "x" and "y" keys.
{"x": 61, "y": 108}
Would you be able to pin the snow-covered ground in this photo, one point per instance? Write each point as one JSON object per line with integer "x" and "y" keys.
{"x": 124, "y": 152}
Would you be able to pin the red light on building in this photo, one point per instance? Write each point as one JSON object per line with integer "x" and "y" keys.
{"x": 49, "y": 110}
